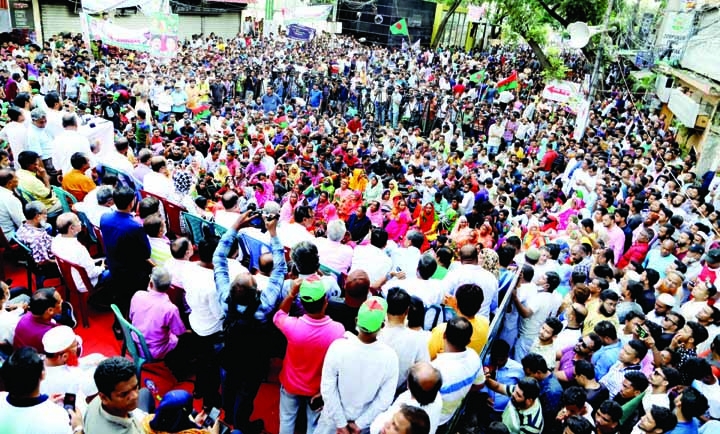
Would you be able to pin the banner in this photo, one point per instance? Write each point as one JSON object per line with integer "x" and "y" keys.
{"x": 307, "y": 13}
{"x": 160, "y": 39}
{"x": 475, "y": 13}
{"x": 581, "y": 121}
{"x": 300, "y": 33}
{"x": 21, "y": 14}
{"x": 147, "y": 6}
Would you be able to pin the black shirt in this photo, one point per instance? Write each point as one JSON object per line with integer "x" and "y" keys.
{"x": 342, "y": 313}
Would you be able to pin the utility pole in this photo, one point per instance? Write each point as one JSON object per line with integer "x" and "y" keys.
{"x": 596, "y": 68}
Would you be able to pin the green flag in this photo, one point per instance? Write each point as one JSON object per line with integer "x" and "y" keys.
{"x": 399, "y": 28}
{"x": 477, "y": 77}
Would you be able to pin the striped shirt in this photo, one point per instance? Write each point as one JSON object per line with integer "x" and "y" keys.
{"x": 529, "y": 421}
{"x": 460, "y": 371}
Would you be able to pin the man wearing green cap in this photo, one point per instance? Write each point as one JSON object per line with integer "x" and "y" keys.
{"x": 359, "y": 375}
{"x": 309, "y": 338}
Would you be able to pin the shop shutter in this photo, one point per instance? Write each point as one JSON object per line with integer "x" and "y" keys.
{"x": 225, "y": 25}
{"x": 58, "y": 19}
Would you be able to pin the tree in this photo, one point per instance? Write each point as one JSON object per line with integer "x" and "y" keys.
{"x": 454, "y": 5}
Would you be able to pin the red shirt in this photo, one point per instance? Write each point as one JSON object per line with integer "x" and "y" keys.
{"x": 636, "y": 252}
{"x": 354, "y": 125}
{"x": 548, "y": 159}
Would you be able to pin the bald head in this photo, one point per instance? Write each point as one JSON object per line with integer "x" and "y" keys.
{"x": 65, "y": 222}
{"x": 243, "y": 290}
{"x": 357, "y": 285}
{"x": 266, "y": 264}
{"x": 468, "y": 254}
{"x": 424, "y": 382}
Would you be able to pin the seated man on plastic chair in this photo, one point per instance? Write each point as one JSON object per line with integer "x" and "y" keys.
{"x": 33, "y": 233}
{"x": 66, "y": 246}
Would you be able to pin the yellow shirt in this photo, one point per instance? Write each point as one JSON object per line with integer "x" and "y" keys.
{"x": 481, "y": 328}
{"x": 30, "y": 183}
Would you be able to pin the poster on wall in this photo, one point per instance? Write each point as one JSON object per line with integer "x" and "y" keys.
{"x": 160, "y": 39}
{"x": 21, "y": 15}
{"x": 147, "y": 6}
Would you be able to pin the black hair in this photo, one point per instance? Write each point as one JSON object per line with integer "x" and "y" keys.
{"x": 606, "y": 329}
{"x": 458, "y": 332}
{"x": 664, "y": 418}
{"x": 534, "y": 362}
{"x": 123, "y": 197}
{"x": 306, "y": 257}
{"x": 470, "y": 298}
{"x": 22, "y": 372}
{"x": 555, "y": 324}
{"x": 42, "y": 300}
{"x": 27, "y": 159}
{"x": 416, "y": 313}
{"x": 612, "y": 409}
{"x": 637, "y": 379}
{"x": 578, "y": 424}
{"x": 584, "y": 368}
{"x": 426, "y": 266}
{"x": 398, "y": 301}
{"x": 530, "y": 387}
{"x": 110, "y": 372}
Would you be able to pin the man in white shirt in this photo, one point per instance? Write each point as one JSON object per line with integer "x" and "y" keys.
{"x": 459, "y": 366}
{"x": 372, "y": 259}
{"x": 469, "y": 271}
{"x": 15, "y": 131}
{"x": 420, "y": 285}
{"x": 11, "y": 210}
{"x": 424, "y": 381}
{"x": 535, "y": 309}
{"x": 118, "y": 160}
{"x": 66, "y": 246}
{"x": 406, "y": 258}
{"x": 96, "y": 204}
{"x": 291, "y": 234}
{"x": 359, "y": 374}
{"x": 67, "y": 143}
{"x": 411, "y": 346}
{"x": 157, "y": 182}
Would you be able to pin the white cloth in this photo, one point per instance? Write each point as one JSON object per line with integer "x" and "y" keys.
{"x": 226, "y": 218}
{"x": 474, "y": 274}
{"x": 8, "y": 323}
{"x": 292, "y": 233}
{"x": 93, "y": 211}
{"x": 429, "y": 291}
{"x": 410, "y": 346}
{"x": 65, "y": 145}
{"x": 406, "y": 260}
{"x": 11, "y": 213}
{"x": 358, "y": 383}
{"x": 117, "y": 161}
{"x": 158, "y": 184}
{"x": 433, "y": 410}
{"x": 71, "y": 250}
{"x": 206, "y": 316}
{"x": 16, "y": 135}
{"x": 372, "y": 260}
{"x": 46, "y": 418}
{"x": 460, "y": 371}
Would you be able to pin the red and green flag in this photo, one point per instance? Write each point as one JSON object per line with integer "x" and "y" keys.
{"x": 201, "y": 112}
{"x": 477, "y": 77}
{"x": 508, "y": 83}
{"x": 400, "y": 28}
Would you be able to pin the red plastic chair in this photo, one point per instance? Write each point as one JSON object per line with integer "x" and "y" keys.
{"x": 172, "y": 213}
{"x": 66, "y": 268}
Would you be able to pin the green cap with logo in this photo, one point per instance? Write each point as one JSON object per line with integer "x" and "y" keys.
{"x": 312, "y": 289}
{"x": 372, "y": 314}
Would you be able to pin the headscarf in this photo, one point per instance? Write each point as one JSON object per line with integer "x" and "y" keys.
{"x": 294, "y": 173}
{"x": 394, "y": 190}
{"x": 183, "y": 182}
{"x": 357, "y": 181}
{"x": 490, "y": 261}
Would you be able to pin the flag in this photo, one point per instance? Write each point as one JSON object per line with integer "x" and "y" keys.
{"x": 404, "y": 46}
{"x": 416, "y": 45}
{"x": 201, "y": 112}
{"x": 477, "y": 77}
{"x": 508, "y": 83}
{"x": 300, "y": 32}
{"x": 400, "y": 28}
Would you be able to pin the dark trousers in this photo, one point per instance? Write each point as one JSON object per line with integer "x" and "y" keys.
{"x": 207, "y": 382}
{"x": 239, "y": 389}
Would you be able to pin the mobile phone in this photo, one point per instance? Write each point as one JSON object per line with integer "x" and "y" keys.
{"x": 212, "y": 416}
{"x": 69, "y": 401}
{"x": 224, "y": 428}
{"x": 316, "y": 403}
{"x": 642, "y": 334}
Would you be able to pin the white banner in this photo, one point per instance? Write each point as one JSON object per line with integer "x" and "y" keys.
{"x": 147, "y": 6}
{"x": 583, "y": 114}
{"x": 560, "y": 91}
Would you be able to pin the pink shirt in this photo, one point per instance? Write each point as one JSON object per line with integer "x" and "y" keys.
{"x": 158, "y": 319}
{"x": 308, "y": 342}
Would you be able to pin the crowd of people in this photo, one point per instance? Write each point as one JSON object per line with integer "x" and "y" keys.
{"x": 365, "y": 214}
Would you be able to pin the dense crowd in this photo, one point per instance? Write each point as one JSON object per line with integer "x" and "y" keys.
{"x": 363, "y": 213}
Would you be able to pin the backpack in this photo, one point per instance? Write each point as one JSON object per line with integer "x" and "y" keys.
{"x": 559, "y": 164}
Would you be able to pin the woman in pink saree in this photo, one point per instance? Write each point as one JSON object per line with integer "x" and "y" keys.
{"x": 349, "y": 205}
{"x": 375, "y": 214}
{"x": 288, "y": 209}
{"x": 399, "y": 221}
{"x": 462, "y": 233}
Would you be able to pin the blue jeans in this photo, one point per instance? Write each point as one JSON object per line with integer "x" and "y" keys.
{"x": 380, "y": 113}
{"x": 289, "y": 407}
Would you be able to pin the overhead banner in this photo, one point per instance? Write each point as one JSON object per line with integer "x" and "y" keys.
{"x": 564, "y": 92}
{"x": 581, "y": 121}
{"x": 160, "y": 39}
{"x": 147, "y": 6}
{"x": 21, "y": 14}
{"x": 307, "y": 13}
{"x": 300, "y": 32}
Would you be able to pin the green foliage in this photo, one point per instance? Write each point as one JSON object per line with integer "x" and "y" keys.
{"x": 557, "y": 69}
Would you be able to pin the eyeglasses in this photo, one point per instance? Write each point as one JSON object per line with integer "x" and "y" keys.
{"x": 667, "y": 318}
{"x": 583, "y": 344}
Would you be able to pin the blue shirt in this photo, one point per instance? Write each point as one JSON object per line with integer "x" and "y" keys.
{"x": 270, "y": 297}
{"x": 270, "y": 103}
{"x": 509, "y": 374}
{"x": 658, "y": 262}
{"x": 686, "y": 428}
{"x": 126, "y": 245}
{"x": 605, "y": 357}
{"x": 315, "y": 98}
